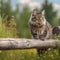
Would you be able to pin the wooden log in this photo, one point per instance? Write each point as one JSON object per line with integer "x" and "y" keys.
{"x": 16, "y": 43}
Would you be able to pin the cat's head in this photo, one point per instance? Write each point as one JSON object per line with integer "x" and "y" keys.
{"x": 39, "y": 18}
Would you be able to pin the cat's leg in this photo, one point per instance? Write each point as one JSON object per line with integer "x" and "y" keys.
{"x": 48, "y": 35}
{"x": 40, "y": 51}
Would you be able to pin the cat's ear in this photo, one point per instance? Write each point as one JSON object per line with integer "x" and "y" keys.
{"x": 43, "y": 12}
{"x": 34, "y": 12}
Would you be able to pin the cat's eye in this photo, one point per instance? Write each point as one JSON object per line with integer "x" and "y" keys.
{"x": 33, "y": 19}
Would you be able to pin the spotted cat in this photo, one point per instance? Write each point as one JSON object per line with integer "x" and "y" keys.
{"x": 40, "y": 27}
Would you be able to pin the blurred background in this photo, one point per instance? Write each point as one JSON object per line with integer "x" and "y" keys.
{"x": 15, "y": 14}
{"x": 14, "y": 17}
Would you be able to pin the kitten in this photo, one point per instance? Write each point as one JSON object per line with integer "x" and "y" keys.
{"x": 40, "y": 28}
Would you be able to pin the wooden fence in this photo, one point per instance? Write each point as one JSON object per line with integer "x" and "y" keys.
{"x": 16, "y": 43}
{"x": 20, "y": 43}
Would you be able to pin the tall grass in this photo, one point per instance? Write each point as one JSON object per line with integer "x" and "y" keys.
{"x": 6, "y": 33}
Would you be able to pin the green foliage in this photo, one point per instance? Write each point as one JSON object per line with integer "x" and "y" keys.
{"x": 56, "y": 37}
{"x": 50, "y": 14}
{"x": 22, "y": 23}
{"x": 5, "y": 8}
{"x": 30, "y": 54}
{"x": 4, "y": 33}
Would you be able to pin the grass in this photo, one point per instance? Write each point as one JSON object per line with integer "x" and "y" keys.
{"x": 30, "y": 54}
{"x": 6, "y": 33}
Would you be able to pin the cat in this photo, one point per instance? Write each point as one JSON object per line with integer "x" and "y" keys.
{"x": 40, "y": 27}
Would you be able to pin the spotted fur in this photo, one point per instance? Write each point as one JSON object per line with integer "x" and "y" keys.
{"x": 40, "y": 28}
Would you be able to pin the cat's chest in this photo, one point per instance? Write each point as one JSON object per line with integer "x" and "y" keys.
{"x": 39, "y": 33}
{"x": 42, "y": 32}
{"x": 39, "y": 30}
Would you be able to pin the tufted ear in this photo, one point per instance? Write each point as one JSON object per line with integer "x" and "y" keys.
{"x": 34, "y": 12}
{"x": 43, "y": 12}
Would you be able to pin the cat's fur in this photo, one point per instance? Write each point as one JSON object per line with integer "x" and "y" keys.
{"x": 40, "y": 28}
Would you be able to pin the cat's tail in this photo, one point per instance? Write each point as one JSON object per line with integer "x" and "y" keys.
{"x": 56, "y": 30}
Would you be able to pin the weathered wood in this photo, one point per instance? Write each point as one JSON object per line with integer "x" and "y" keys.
{"x": 16, "y": 43}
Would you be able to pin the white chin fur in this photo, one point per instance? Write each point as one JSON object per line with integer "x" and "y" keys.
{"x": 44, "y": 23}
